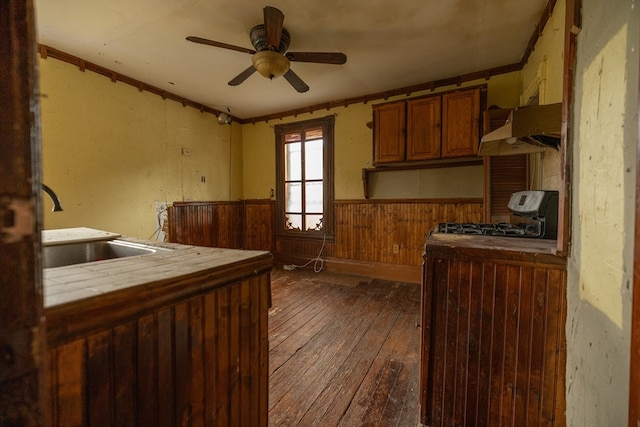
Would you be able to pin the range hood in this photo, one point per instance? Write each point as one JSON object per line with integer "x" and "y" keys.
{"x": 527, "y": 130}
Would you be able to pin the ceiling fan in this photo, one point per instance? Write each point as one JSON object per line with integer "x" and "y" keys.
{"x": 270, "y": 57}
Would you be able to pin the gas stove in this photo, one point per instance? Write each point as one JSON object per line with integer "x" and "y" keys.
{"x": 500, "y": 229}
{"x": 534, "y": 214}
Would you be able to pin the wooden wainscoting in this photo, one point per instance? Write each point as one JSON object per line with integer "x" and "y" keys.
{"x": 246, "y": 224}
{"x": 213, "y": 224}
{"x": 259, "y": 224}
{"x": 384, "y": 238}
{"x": 368, "y": 231}
{"x": 381, "y": 237}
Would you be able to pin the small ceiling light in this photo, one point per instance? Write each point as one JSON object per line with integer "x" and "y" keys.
{"x": 224, "y": 119}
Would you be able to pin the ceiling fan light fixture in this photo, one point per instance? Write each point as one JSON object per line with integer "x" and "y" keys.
{"x": 270, "y": 57}
{"x": 270, "y": 64}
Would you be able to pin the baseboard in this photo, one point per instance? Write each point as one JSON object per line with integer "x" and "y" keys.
{"x": 395, "y": 272}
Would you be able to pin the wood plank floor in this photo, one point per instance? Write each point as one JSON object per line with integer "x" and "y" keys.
{"x": 343, "y": 350}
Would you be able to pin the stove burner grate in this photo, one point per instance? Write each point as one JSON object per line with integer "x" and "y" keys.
{"x": 499, "y": 229}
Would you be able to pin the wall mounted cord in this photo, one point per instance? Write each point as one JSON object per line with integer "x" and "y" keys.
{"x": 318, "y": 262}
{"x": 156, "y": 233}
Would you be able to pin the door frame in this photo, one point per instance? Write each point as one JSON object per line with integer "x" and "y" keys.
{"x": 634, "y": 373}
{"x": 22, "y": 329}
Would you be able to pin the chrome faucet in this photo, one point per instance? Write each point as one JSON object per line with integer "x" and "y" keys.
{"x": 57, "y": 207}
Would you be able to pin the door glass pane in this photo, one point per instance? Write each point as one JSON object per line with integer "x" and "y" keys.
{"x": 293, "y": 222}
{"x": 313, "y": 159}
{"x": 293, "y": 197}
{"x": 313, "y": 197}
{"x": 313, "y": 222}
{"x": 292, "y": 161}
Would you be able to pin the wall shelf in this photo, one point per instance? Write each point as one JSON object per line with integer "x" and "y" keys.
{"x": 436, "y": 164}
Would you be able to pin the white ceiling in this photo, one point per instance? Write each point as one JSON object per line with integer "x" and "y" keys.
{"x": 389, "y": 44}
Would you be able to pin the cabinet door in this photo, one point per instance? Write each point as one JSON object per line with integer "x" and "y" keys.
{"x": 461, "y": 123}
{"x": 423, "y": 128}
{"x": 389, "y": 132}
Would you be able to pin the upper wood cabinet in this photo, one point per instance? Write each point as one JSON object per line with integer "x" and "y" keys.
{"x": 389, "y": 132}
{"x": 433, "y": 127}
{"x": 461, "y": 118}
{"x": 423, "y": 128}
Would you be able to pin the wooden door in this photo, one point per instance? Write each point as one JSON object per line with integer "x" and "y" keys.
{"x": 389, "y": 132}
{"x": 503, "y": 175}
{"x": 22, "y": 330}
{"x": 423, "y": 128}
{"x": 461, "y": 123}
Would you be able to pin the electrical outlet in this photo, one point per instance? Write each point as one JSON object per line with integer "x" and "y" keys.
{"x": 186, "y": 151}
{"x": 396, "y": 248}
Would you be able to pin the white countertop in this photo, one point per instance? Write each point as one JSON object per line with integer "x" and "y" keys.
{"x": 77, "y": 234}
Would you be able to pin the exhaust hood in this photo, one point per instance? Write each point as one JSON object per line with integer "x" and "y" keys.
{"x": 527, "y": 130}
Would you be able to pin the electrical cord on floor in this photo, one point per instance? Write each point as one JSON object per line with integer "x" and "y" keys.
{"x": 317, "y": 260}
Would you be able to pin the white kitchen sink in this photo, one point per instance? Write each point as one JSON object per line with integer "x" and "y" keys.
{"x": 81, "y": 252}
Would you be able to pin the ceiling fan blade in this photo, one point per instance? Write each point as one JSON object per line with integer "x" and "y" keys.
{"x": 242, "y": 76}
{"x": 296, "y": 81}
{"x": 273, "y": 20}
{"x": 220, "y": 44}
{"x": 319, "y": 57}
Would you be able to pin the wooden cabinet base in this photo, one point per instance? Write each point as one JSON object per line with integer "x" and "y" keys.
{"x": 197, "y": 361}
{"x": 493, "y": 344}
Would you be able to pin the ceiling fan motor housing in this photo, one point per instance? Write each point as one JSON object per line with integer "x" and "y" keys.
{"x": 258, "y": 38}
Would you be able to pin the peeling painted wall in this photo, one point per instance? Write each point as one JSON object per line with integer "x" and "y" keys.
{"x": 600, "y": 270}
{"x": 111, "y": 152}
{"x": 543, "y": 73}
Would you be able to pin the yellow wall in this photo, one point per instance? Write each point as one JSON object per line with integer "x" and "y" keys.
{"x": 110, "y": 152}
{"x": 353, "y": 141}
{"x": 544, "y": 71}
{"x": 352, "y": 151}
{"x": 600, "y": 271}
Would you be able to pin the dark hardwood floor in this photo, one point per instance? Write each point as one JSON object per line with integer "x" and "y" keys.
{"x": 343, "y": 350}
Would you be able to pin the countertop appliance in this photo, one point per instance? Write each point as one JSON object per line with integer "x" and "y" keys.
{"x": 534, "y": 213}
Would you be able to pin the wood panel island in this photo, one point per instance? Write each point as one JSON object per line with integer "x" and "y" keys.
{"x": 493, "y": 338}
{"x": 177, "y": 337}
